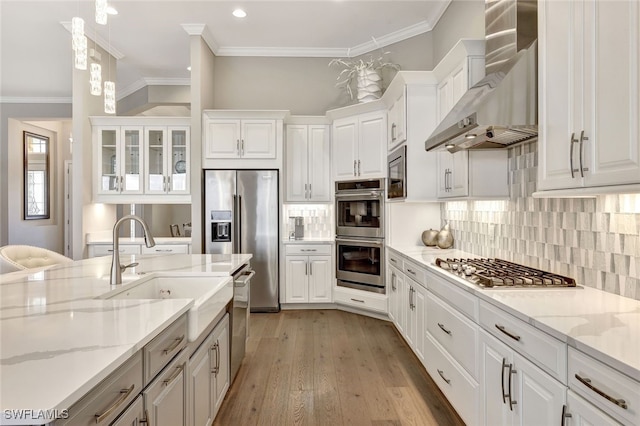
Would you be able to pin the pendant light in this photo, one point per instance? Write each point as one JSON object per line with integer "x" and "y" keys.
{"x": 109, "y": 86}
{"x": 101, "y": 12}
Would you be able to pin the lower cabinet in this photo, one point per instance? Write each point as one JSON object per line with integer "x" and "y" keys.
{"x": 209, "y": 375}
{"x": 309, "y": 274}
{"x": 416, "y": 316}
{"x": 515, "y": 391}
{"x": 165, "y": 399}
{"x": 395, "y": 289}
{"x": 580, "y": 412}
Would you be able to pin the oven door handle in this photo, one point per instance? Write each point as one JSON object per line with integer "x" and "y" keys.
{"x": 365, "y": 196}
{"x": 361, "y": 242}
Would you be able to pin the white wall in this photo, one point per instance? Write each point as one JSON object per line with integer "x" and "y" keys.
{"x": 406, "y": 221}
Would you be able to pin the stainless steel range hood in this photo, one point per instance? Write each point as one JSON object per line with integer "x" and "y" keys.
{"x": 501, "y": 109}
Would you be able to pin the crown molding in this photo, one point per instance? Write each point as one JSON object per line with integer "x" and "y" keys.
{"x": 150, "y": 81}
{"x": 286, "y": 52}
{"x": 203, "y": 31}
{"x": 104, "y": 44}
{"x": 34, "y": 100}
{"x": 391, "y": 38}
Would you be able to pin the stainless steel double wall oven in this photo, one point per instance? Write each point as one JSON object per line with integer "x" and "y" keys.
{"x": 360, "y": 234}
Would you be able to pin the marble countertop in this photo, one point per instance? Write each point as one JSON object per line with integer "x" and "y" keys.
{"x": 603, "y": 325}
{"x": 57, "y": 341}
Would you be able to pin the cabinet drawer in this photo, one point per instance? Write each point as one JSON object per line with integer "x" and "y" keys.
{"x": 166, "y": 249}
{"x": 462, "y": 391}
{"x": 109, "y": 398}
{"x": 309, "y": 249}
{"x": 414, "y": 271}
{"x": 395, "y": 260}
{"x": 360, "y": 299}
{"x": 461, "y": 300}
{"x": 604, "y": 387}
{"x": 543, "y": 350}
{"x": 457, "y": 334}
{"x": 107, "y": 249}
{"x": 165, "y": 399}
{"x": 164, "y": 347}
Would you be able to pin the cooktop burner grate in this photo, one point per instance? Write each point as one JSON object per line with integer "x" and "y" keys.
{"x": 498, "y": 273}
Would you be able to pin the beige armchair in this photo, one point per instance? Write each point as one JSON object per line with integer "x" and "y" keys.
{"x": 19, "y": 257}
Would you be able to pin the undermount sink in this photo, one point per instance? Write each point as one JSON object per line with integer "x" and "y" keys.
{"x": 210, "y": 295}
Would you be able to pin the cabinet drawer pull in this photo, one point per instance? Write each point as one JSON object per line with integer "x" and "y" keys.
{"x": 513, "y": 336}
{"x": 441, "y": 373}
{"x": 444, "y": 329}
{"x": 587, "y": 382}
{"x": 410, "y": 271}
{"x": 124, "y": 394}
{"x": 176, "y": 343}
{"x": 308, "y": 250}
{"x": 179, "y": 370}
{"x": 164, "y": 250}
{"x": 357, "y": 300}
{"x": 393, "y": 260}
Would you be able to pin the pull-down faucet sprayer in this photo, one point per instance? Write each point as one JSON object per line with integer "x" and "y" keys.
{"x": 116, "y": 268}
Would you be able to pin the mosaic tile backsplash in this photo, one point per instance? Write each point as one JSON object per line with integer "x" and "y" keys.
{"x": 318, "y": 219}
{"x": 594, "y": 240}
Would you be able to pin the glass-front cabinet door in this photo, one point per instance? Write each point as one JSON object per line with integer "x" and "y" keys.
{"x": 108, "y": 160}
{"x": 156, "y": 163}
{"x": 131, "y": 160}
{"x": 178, "y": 160}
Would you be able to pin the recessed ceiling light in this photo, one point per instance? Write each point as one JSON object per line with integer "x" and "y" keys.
{"x": 111, "y": 10}
{"x": 189, "y": 68}
{"x": 239, "y": 13}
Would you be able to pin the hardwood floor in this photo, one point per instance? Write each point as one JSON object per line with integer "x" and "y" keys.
{"x": 329, "y": 367}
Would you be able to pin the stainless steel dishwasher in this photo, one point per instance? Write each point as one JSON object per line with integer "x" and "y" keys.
{"x": 240, "y": 316}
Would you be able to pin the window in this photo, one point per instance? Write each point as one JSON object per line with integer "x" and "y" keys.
{"x": 36, "y": 176}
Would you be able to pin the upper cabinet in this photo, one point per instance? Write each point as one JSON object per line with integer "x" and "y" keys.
{"x": 589, "y": 103}
{"x": 141, "y": 159}
{"x": 358, "y": 146}
{"x": 475, "y": 174}
{"x": 246, "y": 138}
{"x": 308, "y": 163}
{"x": 397, "y": 120}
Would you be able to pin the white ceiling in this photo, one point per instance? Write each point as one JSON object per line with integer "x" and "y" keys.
{"x": 36, "y": 55}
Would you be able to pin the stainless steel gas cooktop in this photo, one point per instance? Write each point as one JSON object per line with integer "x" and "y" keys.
{"x": 498, "y": 273}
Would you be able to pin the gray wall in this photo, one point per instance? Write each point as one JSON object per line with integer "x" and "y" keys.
{"x": 20, "y": 112}
{"x": 462, "y": 19}
{"x": 305, "y": 86}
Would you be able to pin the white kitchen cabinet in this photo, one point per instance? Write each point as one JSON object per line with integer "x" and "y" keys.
{"x": 141, "y": 159}
{"x": 240, "y": 138}
{"x": 165, "y": 399}
{"x": 165, "y": 249}
{"x": 394, "y": 288}
{"x": 480, "y": 174}
{"x": 358, "y": 146}
{"x": 416, "y": 317}
{"x": 134, "y": 415}
{"x": 308, "y": 273}
{"x": 589, "y": 97}
{"x": 397, "y": 120}
{"x": 308, "y": 163}
{"x": 220, "y": 363}
{"x": 166, "y": 160}
{"x": 579, "y": 412}
{"x": 515, "y": 391}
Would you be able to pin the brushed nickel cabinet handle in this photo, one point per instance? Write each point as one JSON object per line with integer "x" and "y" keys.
{"x": 571, "y": 142}
{"x": 176, "y": 343}
{"x": 444, "y": 329}
{"x": 179, "y": 370}
{"x": 587, "y": 382}
{"x": 504, "y": 330}
{"x": 441, "y": 373}
{"x": 393, "y": 132}
{"x": 309, "y": 191}
{"x": 242, "y": 147}
{"x": 357, "y": 300}
{"x": 393, "y": 260}
{"x": 238, "y": 147}
{"x": 565, "y": 415}
{"x": 310, "y": 268}
{"x": 124, "y": 394}
{"x": 214, "y": 348}
{"x": 359, "y": 169}
{"x": 146, "y": 420}
{"x": 511, "y": 401}
{"x": 393, "y": 281}
{"x": 354, "y": 168}
{"x": 582, "y": 139}
{"x": 504, "y": 367}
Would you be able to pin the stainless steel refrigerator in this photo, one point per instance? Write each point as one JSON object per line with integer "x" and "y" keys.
{"x": 241, "y": 216}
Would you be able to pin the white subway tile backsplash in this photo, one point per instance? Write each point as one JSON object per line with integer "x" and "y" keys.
{"x": 594, "y": 240}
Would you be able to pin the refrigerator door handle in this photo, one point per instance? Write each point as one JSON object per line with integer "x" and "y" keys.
{"x": 239, "y": 223}
{"x": 234, "y": 231}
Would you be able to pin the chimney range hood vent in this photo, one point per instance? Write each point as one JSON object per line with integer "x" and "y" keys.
{"x": 501, "y": 109}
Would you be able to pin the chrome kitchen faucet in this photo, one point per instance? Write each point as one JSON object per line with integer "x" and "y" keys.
{"x": 116, "y": 268}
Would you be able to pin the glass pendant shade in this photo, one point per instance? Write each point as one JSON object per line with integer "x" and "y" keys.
{"x": 109, "y": 97}
{"x": 81, "y": 54}
{"x": 77, "y": 31}
{"x": 101, "y": 12}
{"x": 95, "y": 79}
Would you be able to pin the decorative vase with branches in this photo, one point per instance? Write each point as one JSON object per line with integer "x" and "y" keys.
{"x": 366, "y": 73}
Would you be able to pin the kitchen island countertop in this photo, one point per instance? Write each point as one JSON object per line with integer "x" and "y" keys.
{"x": 603, "y": 325}
{"x": 57, "y": 341}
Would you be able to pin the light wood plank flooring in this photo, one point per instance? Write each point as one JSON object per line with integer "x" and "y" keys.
{"x": 329, "y": 367}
